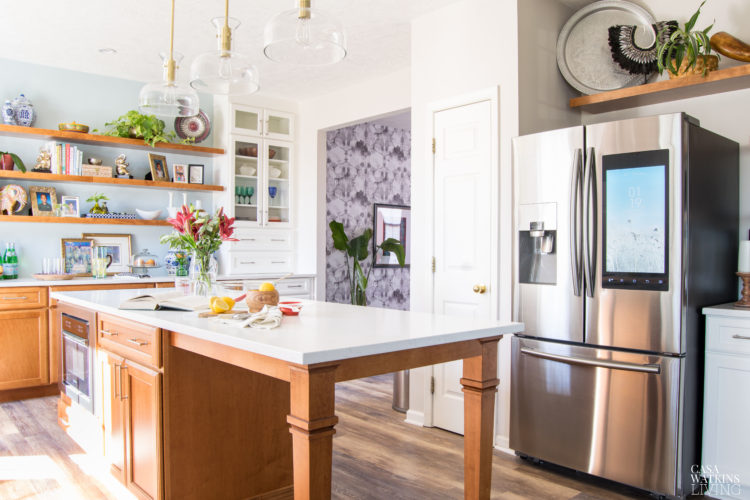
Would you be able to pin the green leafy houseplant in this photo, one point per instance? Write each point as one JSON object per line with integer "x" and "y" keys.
{"x": 357, "y": 249}
{"x": 137, "y": 125}
{"x": 97, "y": 209}
{"x": 15, "y": 159}
{"x": 685, "y": 44}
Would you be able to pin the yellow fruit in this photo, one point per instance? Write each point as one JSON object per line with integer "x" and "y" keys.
{"x": 212, "y": 300}
{"x": 219, "y": 306}
{"x": 229, "y": 301}
{"x": 266, "y": 287}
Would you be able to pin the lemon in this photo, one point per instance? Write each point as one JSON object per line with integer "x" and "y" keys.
{"x": 266, "y": 287}
{"x": 212, "y": 300}
{"x": 219, "y": 306}
{"x": 229, "y": 301}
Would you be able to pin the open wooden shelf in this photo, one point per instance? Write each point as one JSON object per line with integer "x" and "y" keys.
{"x": 722, "y": 80}
{"x": 105, "y": 140}
{"x": 17, "y": 174}
{"x": 82, "y": 220}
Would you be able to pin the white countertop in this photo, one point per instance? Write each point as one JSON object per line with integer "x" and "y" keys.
{"x": 727, "y": 310}
{"x": 322, "y": 332}
{"x": 154, "y": 279}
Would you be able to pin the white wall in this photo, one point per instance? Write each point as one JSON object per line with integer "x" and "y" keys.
{"x": 370, "y": 99}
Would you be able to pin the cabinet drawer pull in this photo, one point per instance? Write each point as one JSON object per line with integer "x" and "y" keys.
{"x": 741, "y": 337}
{"x": 15, "y": 298}
{"x": 247, "y": 239}
{"x": 247, "y": 262}
{"x": 108, "y": 333}
{"x": 277, "y": 239}
{"x": 278, "y": 262}
{"x": 122, "y": 395}
{"x": 117, "y": 381}
{"x": 294, "y": 286}
{"x": 138, "y": 342}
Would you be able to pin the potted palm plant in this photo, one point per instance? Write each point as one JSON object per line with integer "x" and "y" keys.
{"x": 687, "y": 51}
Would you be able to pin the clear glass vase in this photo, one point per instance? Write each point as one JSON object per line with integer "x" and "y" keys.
{"x": 203, "y": 271}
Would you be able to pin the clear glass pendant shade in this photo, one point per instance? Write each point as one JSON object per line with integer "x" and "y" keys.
{"x": 305, "y": 37}
{"x": 223, "y": 71}
{"x": 168, "y": 98}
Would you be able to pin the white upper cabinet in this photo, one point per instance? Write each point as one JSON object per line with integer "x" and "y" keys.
{"x": 259, "y": 122}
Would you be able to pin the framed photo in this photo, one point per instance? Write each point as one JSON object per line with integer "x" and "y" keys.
{"x": 196, "y": 174}
{"x": 391, "y": 221}
{"x": 179, "y": 173}
{"x": 70, "y": 206}
{"x": 158, "y": 165}
{"x": 43, "y": 200}
{"x": 76, "y": 255}
{"x": 118, "y": 246}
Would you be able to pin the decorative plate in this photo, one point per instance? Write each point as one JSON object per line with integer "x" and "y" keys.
{"x": 583, "y": 52}
{"x": 197, "y": 126}
{"x": 13, "y": 199}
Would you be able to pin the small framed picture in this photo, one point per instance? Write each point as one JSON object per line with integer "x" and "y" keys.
{"x": 391, "y": 221}
{"x": 117, "y": 246}
{"x": 179, "y": 173}
{"x": 158, "y": 165}
{"x": 76, "y": 255}
{"x": 70, "y": 206}
{"x": 196, "y": 174}
{"x": 43, "y": 200}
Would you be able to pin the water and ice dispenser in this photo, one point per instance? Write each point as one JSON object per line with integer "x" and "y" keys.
{"x": 537, "y": 243}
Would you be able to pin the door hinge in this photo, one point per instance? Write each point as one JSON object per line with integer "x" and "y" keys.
{"x": 433, "y": 146}
{"x": 433, "y": 264}
{"x": 432, "y": 385}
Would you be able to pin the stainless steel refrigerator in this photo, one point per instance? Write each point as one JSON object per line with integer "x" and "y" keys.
{"x": 623, "y": 232}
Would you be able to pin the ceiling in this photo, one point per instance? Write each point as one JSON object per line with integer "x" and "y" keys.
{"x": 68, "y": 34}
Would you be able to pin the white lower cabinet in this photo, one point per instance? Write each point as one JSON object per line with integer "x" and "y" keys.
{"x": 726, "y": 410}
{"x": 259, "y": 251}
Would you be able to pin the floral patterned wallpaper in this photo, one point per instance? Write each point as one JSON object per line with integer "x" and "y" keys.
{"x": 367, "y": 163}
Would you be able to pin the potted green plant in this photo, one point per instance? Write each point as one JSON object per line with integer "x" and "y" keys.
{"x": 139, "y": 126}
{"x": 98, "y": 209}
{"x": 9, "y": 159}
{"x": 357, "y": 249}
{"x": 687, "y": 51}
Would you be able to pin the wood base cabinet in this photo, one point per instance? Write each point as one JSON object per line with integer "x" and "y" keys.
{"x": 23, "y": 349}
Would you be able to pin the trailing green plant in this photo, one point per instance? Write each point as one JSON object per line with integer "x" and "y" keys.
{"x": 16, "y": 160}
{"x": 137, "y": 125}
{"x": 684, "y": 44}
{"x": 358, "y": 249}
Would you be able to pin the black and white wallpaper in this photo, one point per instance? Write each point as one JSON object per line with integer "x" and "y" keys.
{"x": 367, "y": 163}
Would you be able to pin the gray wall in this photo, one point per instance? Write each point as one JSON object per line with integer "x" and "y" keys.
{"x": 60, "y": 95}
{"x": 366, "y": 163}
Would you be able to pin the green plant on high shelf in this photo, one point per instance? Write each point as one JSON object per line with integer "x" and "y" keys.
{"x": 357, "y": 249}
{"x": 687, "y": 49}
{"x": 7, "y": 159}
{"x": 139, "y": 126}
{"x": 98, "y": 209}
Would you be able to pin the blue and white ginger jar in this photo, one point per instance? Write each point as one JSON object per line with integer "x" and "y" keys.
{"x": 23, "y": 111}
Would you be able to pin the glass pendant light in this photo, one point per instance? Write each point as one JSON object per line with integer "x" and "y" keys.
{"x": 304, "y": 37}
{"x": 169, "y": 98}
{"x": 224, "y": 71}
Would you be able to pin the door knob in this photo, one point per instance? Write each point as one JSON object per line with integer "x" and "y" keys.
{"x": 479, "y": 288}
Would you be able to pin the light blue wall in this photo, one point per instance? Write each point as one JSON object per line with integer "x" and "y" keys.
{"x": 61, "y": 96}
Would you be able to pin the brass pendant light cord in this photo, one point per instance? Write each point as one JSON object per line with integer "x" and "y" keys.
{"x": 170, "y": 63}
{"x": 225, "y": 43}
{"x": 304, "y": 9}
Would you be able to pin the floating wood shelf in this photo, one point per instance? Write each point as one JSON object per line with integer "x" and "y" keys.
{"x": 105, "y": 140}
{"x": 17, "y": 174}
{"x": 82, "y": 220}
{"x": 723, "y": 80}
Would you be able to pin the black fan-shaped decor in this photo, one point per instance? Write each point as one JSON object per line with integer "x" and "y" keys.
{"x": 632, "y": 58}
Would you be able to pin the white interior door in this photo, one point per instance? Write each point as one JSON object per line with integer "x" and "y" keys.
{"x": 463, "y": 236}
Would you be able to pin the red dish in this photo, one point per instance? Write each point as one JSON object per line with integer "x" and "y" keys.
{"x": 290, "y": 308}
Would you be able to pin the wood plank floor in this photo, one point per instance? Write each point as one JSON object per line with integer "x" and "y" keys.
{"x": 376, "y": 456}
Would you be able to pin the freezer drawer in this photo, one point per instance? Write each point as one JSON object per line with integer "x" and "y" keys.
{"x": 608, "y": 413}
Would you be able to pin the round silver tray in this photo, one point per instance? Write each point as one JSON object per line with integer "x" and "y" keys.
{"x": 583, "y": 53}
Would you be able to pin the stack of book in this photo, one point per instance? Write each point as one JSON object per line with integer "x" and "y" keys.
{"x": 65, "y": 158}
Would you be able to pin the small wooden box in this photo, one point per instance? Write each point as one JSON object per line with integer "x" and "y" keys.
{"x": 96, "y": 170}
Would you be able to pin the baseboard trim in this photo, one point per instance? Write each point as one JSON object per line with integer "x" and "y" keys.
{"x": 502, "y": 443}
{"x": 415, "y": 418}
{"x": 28, "y": 393}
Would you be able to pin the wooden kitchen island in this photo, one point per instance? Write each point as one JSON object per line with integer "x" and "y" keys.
{"x": 193, "y": 408}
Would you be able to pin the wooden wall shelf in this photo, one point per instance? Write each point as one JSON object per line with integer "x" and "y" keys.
{"x": 82, "y": 220}
{"x": 104, "y": 140}
{"x": 17, "y": 174}
{"x": 723, "y": 80}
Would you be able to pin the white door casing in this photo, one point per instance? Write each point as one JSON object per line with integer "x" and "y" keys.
{"x": 465, "y": 249}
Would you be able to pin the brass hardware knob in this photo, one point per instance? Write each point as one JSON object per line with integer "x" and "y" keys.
{"x": 479, "y": 288}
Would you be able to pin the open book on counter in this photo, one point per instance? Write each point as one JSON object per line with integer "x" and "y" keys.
{"x": 168, "y": 300}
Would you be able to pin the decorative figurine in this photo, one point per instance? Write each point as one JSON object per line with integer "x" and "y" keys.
{"x": 122, "y": 168}
{"x": 9, "y": 116}
{"x": 43, "y": 162}
{"x": 23, "y": 111}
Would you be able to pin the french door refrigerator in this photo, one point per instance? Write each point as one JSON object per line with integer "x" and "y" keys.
{"x": 623, "y": 232}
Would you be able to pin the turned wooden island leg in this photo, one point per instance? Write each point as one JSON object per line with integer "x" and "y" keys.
{"x": 311, "y": 423}
{"x": 479, "y": 388}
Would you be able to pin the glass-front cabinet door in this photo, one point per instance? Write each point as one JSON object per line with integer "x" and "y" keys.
{"x": 278, "y": 125}
{"x": 246, "y": 120}
{"x": 247, "y": 179}
{"x": 278, "y": 158}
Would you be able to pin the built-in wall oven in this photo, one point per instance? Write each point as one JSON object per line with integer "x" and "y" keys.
{"x": 77, "y": 361}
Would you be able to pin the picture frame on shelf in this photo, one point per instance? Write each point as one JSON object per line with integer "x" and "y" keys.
{"x": 195, "y": 175}
{"x": 391, "y": 221}
{"x": 77, "y": 254}
{"x": 179, "y": 173}
{"x": 70, "y": 206}
{"x": 43, "y": 200}
{"x": 119, "y": 247}
{"x": 158, "y": 164}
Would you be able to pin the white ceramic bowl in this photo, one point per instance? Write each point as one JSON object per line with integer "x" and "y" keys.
{"x": 274, "y": 172}
{"x": 247, "y": 170}
{"x": 148, "y": 214}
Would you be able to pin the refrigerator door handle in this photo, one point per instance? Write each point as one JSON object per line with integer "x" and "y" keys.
{"x": 590, "y": 219}
{"x": 599, "y": 363}
{"x": 576, "y": 198}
